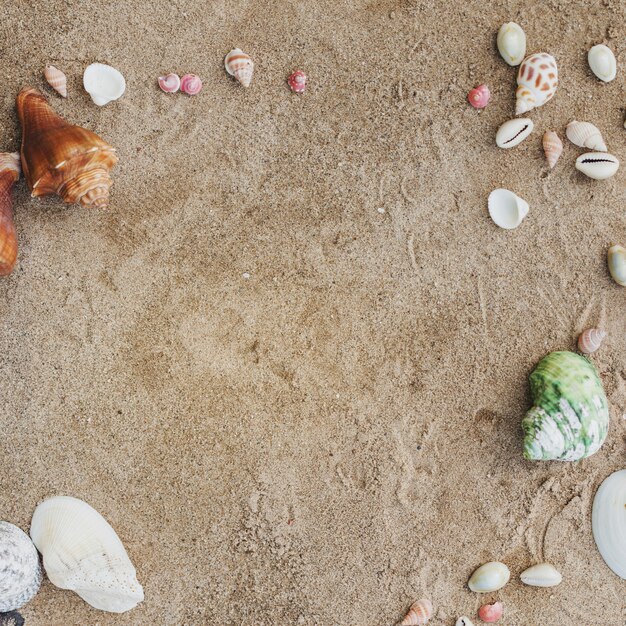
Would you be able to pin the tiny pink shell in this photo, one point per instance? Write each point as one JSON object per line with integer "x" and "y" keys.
{"x": 491, "y": 612}
{"x": 190, "y": 84}
{"x": 479, "y": 96}
{"x": 169, "y": 83}
{"x": 297, "y": 81}
{"x": 590, "y": 340}
{"x": 419, "y": 613}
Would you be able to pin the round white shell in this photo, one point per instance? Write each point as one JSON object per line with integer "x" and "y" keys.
{"x": 20, "y": 572}
{"x": 541, "y": 575}
{"x": 83, "y": 553}
{"x": 513, "y": 132}
{"x": 585, "y": 135}
{"x": 597, "y": 165}
{"x": 103, "y": 83}
{"x": 608, "y": 521}
{"x": 507, "y": 209}
{"x": 489, "y": 577}
{"x": 616, "y": 259}
{"x": 602, "y": 62}
{"x": 512, "y": 43}
{"x": 464, "y": 621}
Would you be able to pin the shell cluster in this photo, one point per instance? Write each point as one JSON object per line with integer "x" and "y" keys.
{"x": 419, "y": 613}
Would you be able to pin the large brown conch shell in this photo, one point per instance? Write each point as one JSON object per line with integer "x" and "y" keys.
{"x": 9, "y": 173}
{"x": 60, "y": 158}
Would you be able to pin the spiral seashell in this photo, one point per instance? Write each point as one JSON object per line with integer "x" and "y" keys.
{"x": 169, "y": 83}
{"x": 297, "y": 81}
{"x": 552, "y": 147}
{"x": 56, "y": 79}
{"x": 616, "y": 259}
{"x": 537, "y": 81}
{"x": 239, "y": 65}
{"x": 590, "y": 340}
{"x": 190, "y": 84}
{"x": 585, "y": 135}
{"x": 491, "y": 612}
{"x": 9, "y": 173}
{"x": 419, "y": 613}
{"x": 60, "y": 158}
{"x": 479, "y": 96}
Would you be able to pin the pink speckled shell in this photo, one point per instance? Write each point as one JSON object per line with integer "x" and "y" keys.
{"x": 297, "y": 81}
{"x": 479, "y": 96}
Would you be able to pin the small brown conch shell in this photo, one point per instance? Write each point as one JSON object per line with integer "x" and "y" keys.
{"x": 419, "y": 613}
{"x": 56, "y": 79}
{"x": 9, "y": 173}
{"x": 552, "y": 147}
{"x": 60, "y": 158}
{"x": 590, "y": 340}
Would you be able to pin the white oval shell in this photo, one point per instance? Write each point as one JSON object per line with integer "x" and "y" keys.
{"x": 506, "y": 209}
{"x": 541, "y": 575}
{"x": 608, "y": 521}
{"x": 585, "y": 135}
{"x": 83, "y": 553}
{"x": 617, "y": 264}
{"x": 597, "y": 165}
{"x": 513, "y": 132}
{"x": 489, "y": 577}
{"x": 512, "y": 43}
{"x": 103, "y": 83}
{"x": 602, "y": 62}
{"x": 464, "y": 621}
{"x": 20, "y": 573}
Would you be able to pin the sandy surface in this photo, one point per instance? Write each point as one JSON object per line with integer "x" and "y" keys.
{"x": 289, "y": 362}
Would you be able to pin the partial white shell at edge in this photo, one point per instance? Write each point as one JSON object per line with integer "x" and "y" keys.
{"x": 103, "y": 83}
{"x": 512, "y": 43}
{"x": 616, "y": 259}
{"x": 506, "y": 209}
{"x": 464, "y": 621}
{"x": 608, "y": 521}
{"x": 489, "y": 577}
{"x": 602, "y": 62}
{"x": 513, "y": 132}
{"x": 541, "y": 575}
{"x": 597, "y": 165}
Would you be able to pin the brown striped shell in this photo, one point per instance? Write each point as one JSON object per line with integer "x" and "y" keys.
{"x": 9, "y": 173}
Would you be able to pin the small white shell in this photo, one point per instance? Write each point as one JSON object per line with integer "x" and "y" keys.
{"x": 506, "y": 209}
{"x": 541, "y": 575}
{"x": 616, "y": 259}
{"x": 597, "y": 165}
{"x": 489, "y": 577}
{"x": 608, "y": 521}
{"x": 103, "y": 83}
{"x": 464, "y": 621}
{"x": 513, "y": 132}
{"x": 585, "y": 135}
{"x": 602, "y": 62}
{"x": 512, "y": 43}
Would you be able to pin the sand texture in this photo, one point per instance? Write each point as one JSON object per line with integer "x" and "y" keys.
{"x": 289, "y": 363}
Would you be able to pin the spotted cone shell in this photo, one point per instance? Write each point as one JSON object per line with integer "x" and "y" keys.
{"x": 552, "y": 147}
{"x": 9, "y": 173}
{"x": 419, "y": 613}
{"x": 537, "y": 80}
{"x": 56, "y": 79}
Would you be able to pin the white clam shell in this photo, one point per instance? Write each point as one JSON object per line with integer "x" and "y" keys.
{"x": 103, "y": 83}
{"x": 585, "y": 135}
{"x": 512, "y": 43}
{"x": 608, "y": 521}
{"x": 20, "y": 572}
{"x": 507, "y": 209}
{"x": 464, "y": 621}
{"x": 489, "y": 577}
{"x": 602, "y": 62}
{"x": 541, "y": 575}
{"x": 513, "y": 132}
{"x": 616, "y": 259}
{"x": 597, "y": 165}
{"x": 83, "y": 553}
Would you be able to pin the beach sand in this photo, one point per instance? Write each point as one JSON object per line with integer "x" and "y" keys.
{"x": 289, "y": 362}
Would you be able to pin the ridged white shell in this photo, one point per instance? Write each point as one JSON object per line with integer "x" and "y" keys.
{"x": 512, "y": 43}
{"x": 513, "y": 132}
{"x": 608, "y": 521}
{"x": 103, "y": 83}
{"x": 602, "y": 62}
{"x": 20, "y": 572}
{"x": 541, "y": 575}
{"x": 464, "y": 621}
{"x": 585, "y": 135}
{"x": 616, "y": 259}
{"x": 489, "y": 577}
{"x": 597, "y": 165}
{"x": 506, "y": 209}
{"x": 83, "y": 553}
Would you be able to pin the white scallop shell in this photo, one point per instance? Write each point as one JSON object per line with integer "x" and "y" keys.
{"x": 464, "y": 621}
{"x": 616, "y": 259}
{"x": 83, "y": 553}
{"x": 506, "y": 209}
{"x": 20, "y": 572}
{"x": 489, "y": 577}
{"x": 597, "y": 165}
{"x": 602, "y": 62}
{"x": 585, "y": 135}
{"x": 512, "y": 43}
{"x": 608, "y": 521}
{"x": 541, "y": 575}
{"x": 103, "y": 83}
{"x": 513, "y": 132}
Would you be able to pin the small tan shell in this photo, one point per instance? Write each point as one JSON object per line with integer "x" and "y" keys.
{"x": 552, "y": 147}
{"x": 56, "y": 79}
{"x": 419, "y": 613}
{"x": 585, "y": 135}
{"x": 590, "y": 340}
{"x": 240, "y": 66}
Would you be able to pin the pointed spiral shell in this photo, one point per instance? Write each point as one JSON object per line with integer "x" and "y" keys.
{"x": 240, "y": 66}
{"x": 190, "y": 84}
{"x": 9, "y": 173}
{"x": 552, "y": 147}
{"x": 169, "y": 83}
{"x": 585, "y": 135}
{"x": 56, "y": 79}
{"x": 590, "y": 340}
{"x": 419, "y": 613}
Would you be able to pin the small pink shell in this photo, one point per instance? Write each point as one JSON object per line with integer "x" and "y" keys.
{"x": 297, "y": 81}
{"x": 479, "y": 96}
{"x": 56, "y": 79}
{"x": 491, "y": 612}
{"x": 552, "y": 147}
{"x": 590, "y": 340}
{"x": 190, "y": 84}
{"x": 419, "y": 613}
{"x": 169, "y": 83}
